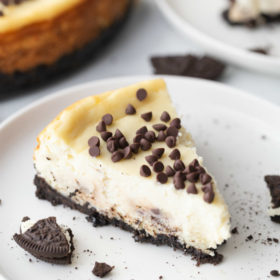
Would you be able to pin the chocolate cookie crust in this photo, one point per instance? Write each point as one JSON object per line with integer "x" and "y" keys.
{"x": 22, "y": 80}
{"x": 273, "y": 184}
{"x": 44, "y": 191}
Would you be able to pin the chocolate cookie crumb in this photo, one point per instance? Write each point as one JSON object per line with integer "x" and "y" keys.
{"x": 101, "y": 269}
{"x": 274, "y": 273}
{"x": 234, "y": 231}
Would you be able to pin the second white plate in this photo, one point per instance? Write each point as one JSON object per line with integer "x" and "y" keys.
{"x": 201, "y": 21}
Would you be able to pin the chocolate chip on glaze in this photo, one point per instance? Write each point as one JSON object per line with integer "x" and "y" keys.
{"x": 151, "y": 159}
{"x": 179, "y": 181}
{"x": 161, "y": 136}
{"x": 105, "y": 135}
{"x": 172, "y": 131}
{"x": 147, "y": 116}
{"x": 209, "y": 197}
{"x": 127, "y": 152}
{"x": 159, "y": 127}
{"x": 193, "y": 177}
{"x": 117, "y": 156}
{"x": 137, "y": 138}
{"x": 205, "y": 178}
{"x": 94, "y": 151}
{"x": 150, "y": 136}
{"x": 1, "y": 13}
{"x": 162, "y": 178}
{"x": 170, "y": 141}
{"x": 145, "y": 171}
{"x": 130, "y": 110}
{"x": 158, "y": 166}
{"x": 165, "y": 117}
{"x": 123, "y": 142}
{"x": 142, "y": 130}
{"x": 145, "y": 144}
{"x": 118, "y": 134}
{"x": 94, "y": 141}
{"x": 135, "y": 147}
{"x": 207, "y": 188}
{"x": 175, "y": 154}
{"x": 176, "y": 123}
{"x": 108, "y": 119}
{"x": 141, "y": 94}
{"x": 158, "y": 152}
{"x": 179, "y": 165}
{"x": 169, "y": 171}
{"x": 112, "y": 145}
{"x": 192, "y": 189}
{"x": 101, "y": 126}
{"x": 200, "y": 169}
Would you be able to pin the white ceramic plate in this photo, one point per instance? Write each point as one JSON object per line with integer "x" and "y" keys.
{"x": 201, "y": 21}
{"x": 237, "y": 134}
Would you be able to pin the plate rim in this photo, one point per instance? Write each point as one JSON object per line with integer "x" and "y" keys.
{"x": 65, "y": 91}
{"x": 224, "y": 51}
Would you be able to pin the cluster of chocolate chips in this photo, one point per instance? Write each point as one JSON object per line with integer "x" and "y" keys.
{"x": 120, "y": 149}
{"x": 9, "y": 3}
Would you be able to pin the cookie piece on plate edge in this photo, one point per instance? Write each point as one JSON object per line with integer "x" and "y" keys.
{"x": 102, "y": 157}
{"x": 273, "y": 184}
{"x": 46, "y": 240}
{"x": 42, "y": 40}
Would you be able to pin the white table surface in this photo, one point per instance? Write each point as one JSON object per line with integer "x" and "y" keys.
{"x": 147, "y": 33}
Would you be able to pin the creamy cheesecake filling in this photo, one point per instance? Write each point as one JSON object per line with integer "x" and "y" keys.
{"x": 246, "y": 10}
{"x": 116, "y": 189}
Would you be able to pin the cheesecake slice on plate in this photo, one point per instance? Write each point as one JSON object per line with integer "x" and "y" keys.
{"x": 253, "y": 12}
{"x": 123, "y": 158}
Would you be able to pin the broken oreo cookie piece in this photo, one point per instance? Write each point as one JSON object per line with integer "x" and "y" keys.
{"x": 101, "y": 269}
{"x": 46, "y": 240}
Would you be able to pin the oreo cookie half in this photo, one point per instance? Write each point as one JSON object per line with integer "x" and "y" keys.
{"x": 46, "y": 240}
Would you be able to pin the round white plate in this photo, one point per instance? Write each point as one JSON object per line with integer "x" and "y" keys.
{"x": 201, "y": 21}
{"x": 237, "y": 134}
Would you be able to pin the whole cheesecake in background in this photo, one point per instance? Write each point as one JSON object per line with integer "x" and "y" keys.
{"x": 41, "y": 39}
{"x": 123, "y": 158}
{"x": 253, "y": 12}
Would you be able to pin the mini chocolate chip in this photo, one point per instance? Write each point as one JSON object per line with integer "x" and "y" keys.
{"x": 1, "y": 13}
{"x": 147, "y": 116}
{"x": 151, "y": 159}
{"x": 137, "y": 138}
{"x": 145, "y": 171}
{"x": 130, "y": 110}
{"x": 205, "y": 178}
{"x": 192, "y": 189}
{"x": 150, "y": 136}
{"x": 123, "y": 143}
{"x": 175, "y": 154}
{"x": 101, "y": 126}
{"x": 158, "y": 166}
{"x": 135, "y": 147}
{"x": 200, "y": 169}
{"x": 127, "y": 152}
{"x": 117, "y": 156}
{"x": 176, "y": 122}
{"x": 141, "y": 94}
{"x": 189, "y": 169}
{"x": 178, "y": 182}
{"x": 208, "y": 197}
{"x": 172, "y": 131}
{"x": 94, "y": 141}
{"x": 165, "y": 117}
{"x": 142, "y": 130}
{"x": 112, "y": 145}
{"x": 159, "y": 127}
{"x": 145, "y": 144}
{"x": 169, "y": 171}
{"x": 170, "y": 141}
{"x": 180, "y": 174}
{"x": 207, "y": 188}
{"x": 162, "y": 177}
{"x": 194, "y": 163}
{"x": 118, "y": 133}
{"x": 94, "y": 151}
{"x": 158, "y": 152}
{"x": 161, "y": 136}
{"x": 108, "y": 119}
{"x": 179, "y": 165}
{"x": 105, "y": 135}
{"x": 192, "y": 177}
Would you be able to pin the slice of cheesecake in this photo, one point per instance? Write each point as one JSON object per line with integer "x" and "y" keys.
{"x": 123, "y": 158}
{"x": 253, "y": 12}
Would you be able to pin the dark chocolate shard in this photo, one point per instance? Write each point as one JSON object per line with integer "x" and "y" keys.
{"x": 101, "y": 269}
